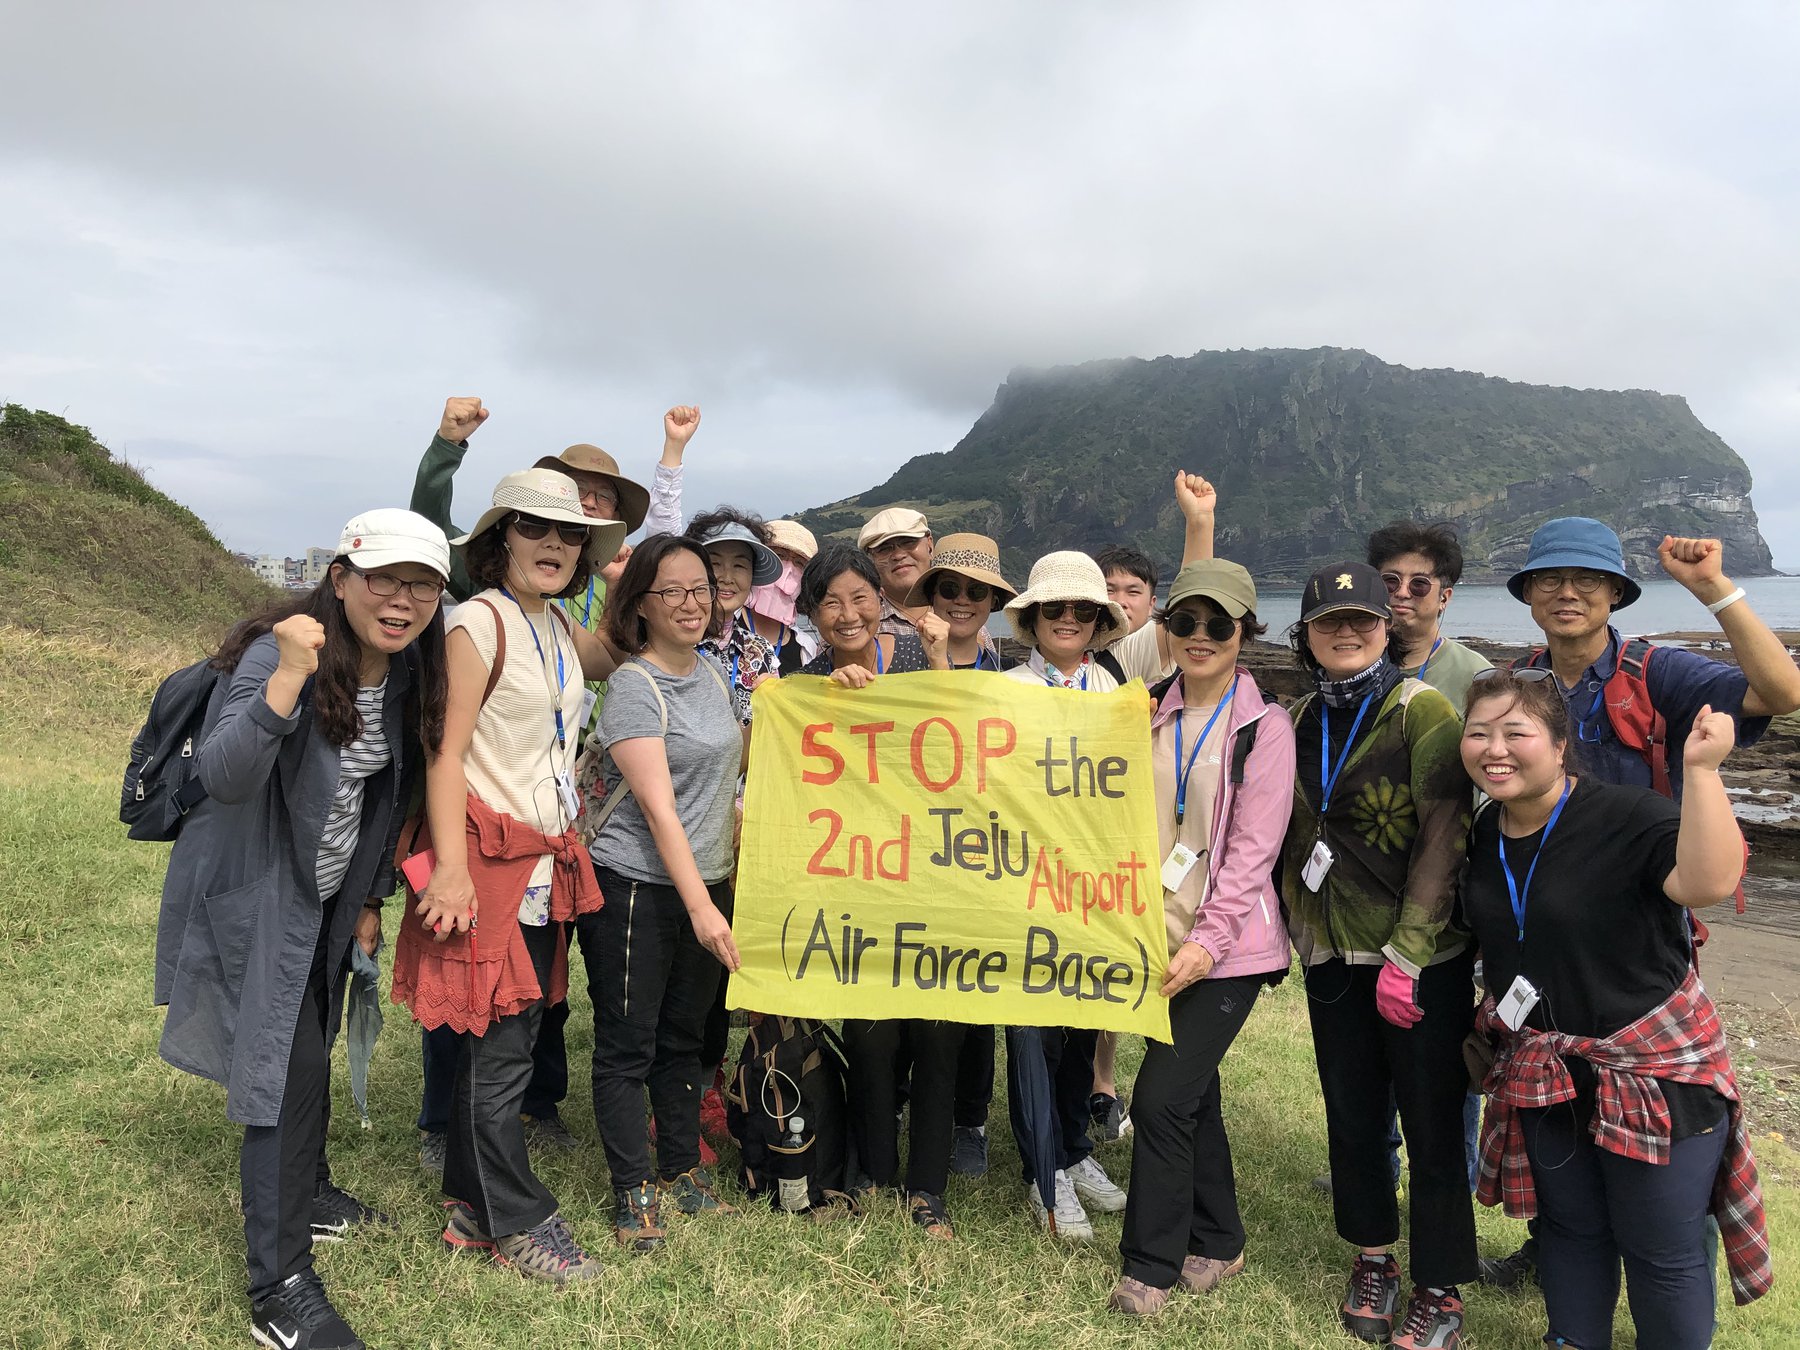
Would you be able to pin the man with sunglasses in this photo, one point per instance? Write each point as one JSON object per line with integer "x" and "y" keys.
{"x": 1421, "y": 565}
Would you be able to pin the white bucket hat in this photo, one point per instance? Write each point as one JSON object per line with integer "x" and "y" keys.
{"x": 1065, "y": 576}
{"x": 389, "y": 535}
{"x": 544, "y": 494}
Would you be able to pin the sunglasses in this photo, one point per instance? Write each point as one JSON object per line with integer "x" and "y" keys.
{"x": 1085, "y": 611}
{"x": 529, "y": 527}
{"x": 1525, "y": 674}
{"x": 951, "y": 589}
{"x": 1417, "y": 587}
{"x": 1358, "y": 623}
{"x": 1185, "y": 623}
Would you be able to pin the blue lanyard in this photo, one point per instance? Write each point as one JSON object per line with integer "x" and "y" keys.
{"x": 556, "y": 702}
{"x": 1328, "y": 777}
{"x": 1587, "y": 729}
{"x": 1513, "y": 891}
{"x": 781, "y": 642}
{"x": 1427, "y": 661}
{"x": 1182, "y": 772}
{"x": 880, "y": 663}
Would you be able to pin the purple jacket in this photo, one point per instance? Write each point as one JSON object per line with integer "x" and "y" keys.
{"x": 1239, "y": 919}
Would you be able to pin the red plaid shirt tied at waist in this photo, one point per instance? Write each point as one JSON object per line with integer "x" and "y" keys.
{"x": 1681, "y": 1041}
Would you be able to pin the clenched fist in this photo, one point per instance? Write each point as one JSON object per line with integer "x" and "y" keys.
{"x": 1711, "y": 739}
{"x": 680, "y": 423}
{"x": 1197, "y": 498}
{"x": 462, "y": 417}
{"x": 300, "y": 636}
{"x": 934, "y": 637}
{"x": 1698, "y": 564}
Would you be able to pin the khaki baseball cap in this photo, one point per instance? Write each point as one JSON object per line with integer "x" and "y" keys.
{"x": 1224, "y": 583}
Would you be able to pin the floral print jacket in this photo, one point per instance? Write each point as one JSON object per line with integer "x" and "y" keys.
{"x": 1397, "y": 828}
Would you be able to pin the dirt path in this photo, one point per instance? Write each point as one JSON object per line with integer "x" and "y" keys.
{"x": 1751, "y": 967}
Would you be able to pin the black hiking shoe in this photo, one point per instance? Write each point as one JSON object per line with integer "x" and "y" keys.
{"x": 298, "y": 1316}
{"x": 1511, "y": 1272}
{"x": 335, "y": 1212}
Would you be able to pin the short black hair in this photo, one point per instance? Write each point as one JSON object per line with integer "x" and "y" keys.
{"x": 831, "y": 562}
{"x": 624, "y": 625}
{"x": 708, "y": 521}
{"x": 1124, "y": 558}
{"x": 1437, "y": 542}
{"x": 484, "y": 558}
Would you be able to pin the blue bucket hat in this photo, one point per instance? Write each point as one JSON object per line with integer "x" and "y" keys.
{"x": 1576, "y": 541}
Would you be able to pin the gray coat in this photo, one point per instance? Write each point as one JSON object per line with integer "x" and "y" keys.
{"x": 241, "y": 911}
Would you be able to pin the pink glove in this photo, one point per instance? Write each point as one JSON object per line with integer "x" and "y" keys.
{"x": 1395, "y": 992}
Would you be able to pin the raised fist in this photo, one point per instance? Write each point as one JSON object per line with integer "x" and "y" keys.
{"x": 680, "y": 423}
{"x": 934, "y": 637}
{"x": 1197, "y": 498}
{"x": 610, "y": 574}
{"x": 1698, "y": 564}
{"x": 462, "y": 417}
{"x": 1713, "y": 735}
{"x": 300, "y": 636}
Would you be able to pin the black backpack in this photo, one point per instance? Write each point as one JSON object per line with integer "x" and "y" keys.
{"x": 162, "y": 782}
{"x": 785, "y": 1107}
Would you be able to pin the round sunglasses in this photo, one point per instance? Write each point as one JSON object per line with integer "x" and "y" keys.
{"x": 948, "y": 588}
{"x": 1417, "y": 587}
{"x": 1085, "y": 611}
{"x": 1184, "y": 623}
{"x": 530, "y": 527}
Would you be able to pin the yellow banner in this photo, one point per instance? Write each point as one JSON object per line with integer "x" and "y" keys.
{"x": 951, "y": 845}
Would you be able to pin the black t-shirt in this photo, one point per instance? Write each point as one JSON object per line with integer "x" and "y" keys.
{"x": 908, "y": 655}
{"x": 1603, "y": 944}
{"x": 989, "y": 660}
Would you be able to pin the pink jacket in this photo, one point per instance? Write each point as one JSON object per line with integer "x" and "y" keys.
{"x": 1239, "y": 919}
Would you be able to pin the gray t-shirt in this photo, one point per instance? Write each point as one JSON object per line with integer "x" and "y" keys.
{"x": 704, "y": 744}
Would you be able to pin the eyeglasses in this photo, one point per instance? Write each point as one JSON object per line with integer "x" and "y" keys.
{"x": 949, "y": 588}
{"x": 599, "y": 498}
{"x": 1417, "y": 587}
{"x": 385, "y": 585}
{"x": 1183, "y": 623}
{"x": 888, "y": 547}
{"x": 1524, "y": 674}
{"x": 1085, "y": 611}
{"x": 672, "y": 596}
{"x": 531, "y": 528}
{"x": 1549, "y": 583}
{"x": 1357, "y": 622}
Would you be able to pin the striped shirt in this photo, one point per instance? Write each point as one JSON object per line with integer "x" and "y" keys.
{"x": 361, "y": 760}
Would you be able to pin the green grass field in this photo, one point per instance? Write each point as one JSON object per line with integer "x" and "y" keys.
{"x": 118, "y": 1176}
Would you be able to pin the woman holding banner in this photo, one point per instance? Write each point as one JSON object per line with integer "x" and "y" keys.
{"x": 1223, "y": 762}
{"x": 1369, "y": 868}
{"x": 1063, "y": 615}
{"x": 840, "y": 591}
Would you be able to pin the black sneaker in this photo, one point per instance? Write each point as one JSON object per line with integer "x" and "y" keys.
{"x": 1511, "y": 1272}
{"x": 336, "y": 1212}
{"x": 298, "y": 1316}
{"x": 433, "y": 1145}
{"x": 548, "y": 1132}
{"x": 969, "y": 1150}
{"x": 1110, "y": 1119}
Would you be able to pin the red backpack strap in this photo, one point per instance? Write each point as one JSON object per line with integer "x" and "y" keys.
{"x": 1635, "y": 720}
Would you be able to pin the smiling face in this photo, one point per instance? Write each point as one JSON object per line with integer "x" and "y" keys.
{"x": 1132, "y": 594}
{"x": 684, "y": 623}
{"x": 1063, "y": 640}
{"x": 848, "y": 613}
{"x": 966, "y": 617}
{"x": 385, "y": 624}
{"x": 733, "y": 564}
{"x": 1200, "y": 656}
{"x": 1563, "y": 610}
{"x": 1339, "y": 648}
{"x": 540, "y": 566}
{"x": 899, "y": 563}
{"x": 1510, "y": 753}
{"x": 1416, "y": 617}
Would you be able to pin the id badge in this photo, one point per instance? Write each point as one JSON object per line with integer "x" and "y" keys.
{"x": 1177, "y": 865}
{"x": 1313, "y": 874}
{"x": 571, "y": 799}
{"x": 588, "y": 699}
{"x": 1517, "y": 1004}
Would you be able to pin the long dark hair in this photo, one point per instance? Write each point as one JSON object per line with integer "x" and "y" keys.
{"x": 335, "y": 683}
{"x": 625, "y": 628}
{"x": 485, "y": 559}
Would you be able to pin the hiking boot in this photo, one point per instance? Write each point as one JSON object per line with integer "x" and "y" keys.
{"x": 1068, "y": 1220}
{"x": 335, "y": 1212}
{"x": 1096, "y": 1188}
{"x": 968, "y": 1151}
{"x": 928, "y": 1212}
{"x": 637, "y": 1218}
{"x": 1203, "y": 1274}
{"x": 1511, "y": 1272}
{"x": 693, "y": 1193}
{"x": 1433, "y": 1320}
{"x": 1109, "y": 1118}
{"x": 298, "y": 1316}
{"x": 463, "y": 1231}
{"x": 1134, "y": 1298}
{"x": 547, "y": 1252}
{"x": 548, "y": 1131}
{"x": 433, "y": 1145}
{"x": 1369, "y": 1303}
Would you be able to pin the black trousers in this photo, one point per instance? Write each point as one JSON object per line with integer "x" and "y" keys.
{"x": 1069, "y": 1055}
{"x": 1362, "y": 1057}
{"x": 653, "y": 985}
{"x": 873, "y": 1048}
{"x": 282, "y": 1166}
{"x": 975, "y": 1076}
{"x": 485, "y": 1162}
{"x": 1183, "y": 1190}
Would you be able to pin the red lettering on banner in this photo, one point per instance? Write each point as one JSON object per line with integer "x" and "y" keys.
{"x": 812, "y": 749}
{"x": 984, "y": 751}
{"x": 918, "y": 755}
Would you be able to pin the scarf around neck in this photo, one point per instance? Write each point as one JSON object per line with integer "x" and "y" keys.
{"x": 1377, "y": 681}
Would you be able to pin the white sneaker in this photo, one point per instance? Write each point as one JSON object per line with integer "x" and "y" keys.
{"x": 1091, "y": 1183}
{"x": 1072, "y": 1224}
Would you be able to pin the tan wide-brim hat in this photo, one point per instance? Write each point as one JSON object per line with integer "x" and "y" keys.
{"x": 634, "y": 498}
{"x": 544, "y": 494}
{"x": 1065, "y": 576}
{"x": 968, "y": 555}
{"x": 794, "y": 537}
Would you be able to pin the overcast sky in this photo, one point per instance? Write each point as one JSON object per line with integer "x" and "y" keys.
{"x": 253, "y": 246}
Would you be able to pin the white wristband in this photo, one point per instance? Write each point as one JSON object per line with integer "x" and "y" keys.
{"x": 1718, "y": 605}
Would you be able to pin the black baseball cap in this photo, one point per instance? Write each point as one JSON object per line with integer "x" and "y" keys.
{"x": 1345, "y": 585}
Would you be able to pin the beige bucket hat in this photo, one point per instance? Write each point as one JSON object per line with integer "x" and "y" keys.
{"x": 545, "y": 494}
{"x": 1065, "y": 576}
{"x": 634, "y": 498}
{"x": 968, "y": 555}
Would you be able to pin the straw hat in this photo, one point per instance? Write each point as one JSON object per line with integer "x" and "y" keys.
{"x": 634, "y": 498}
{"x": 794, "y": 537}
{"x": 1065, "y": 576}
{"x": 544, "y": 494}
{"x": 968, "y": 555}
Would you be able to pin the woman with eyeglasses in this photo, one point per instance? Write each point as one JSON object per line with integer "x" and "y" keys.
{"x": 1223, "y": 764}
{"x": 324, "y": 707}
{"x": 1369, "y": 866}
{"x": 507, "y": 868}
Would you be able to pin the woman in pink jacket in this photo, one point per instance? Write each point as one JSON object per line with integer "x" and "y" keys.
{"x": 1224, "y": 767}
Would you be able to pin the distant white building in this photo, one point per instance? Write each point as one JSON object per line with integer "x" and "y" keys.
{"x": 271, "y": 569}
{"x": 318, "y": 563}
